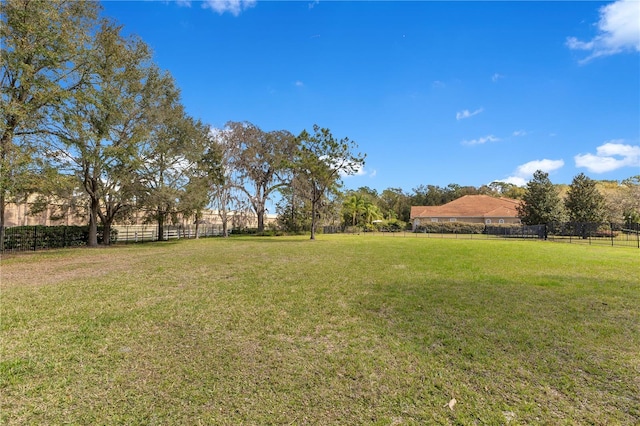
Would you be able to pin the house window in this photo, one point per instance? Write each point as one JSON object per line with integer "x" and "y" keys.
{"x": 487, "y": 221}
{"x": 453, "y": 219}
{"x": 501, "y": 221}
{"x": 434, "y": 219}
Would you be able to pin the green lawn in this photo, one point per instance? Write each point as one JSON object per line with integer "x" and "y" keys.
{"x": 345, "y": 330}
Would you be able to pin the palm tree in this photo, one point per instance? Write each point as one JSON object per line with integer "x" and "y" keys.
{"x": 371, "y": 212}
{"x": 355, "y": 206}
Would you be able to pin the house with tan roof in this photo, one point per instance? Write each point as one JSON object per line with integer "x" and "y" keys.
{"x": 469, "y": 209}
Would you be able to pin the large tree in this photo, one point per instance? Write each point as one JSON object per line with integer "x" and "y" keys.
{"x": 42, "y": 45}
{"x": 206, "y": 175}
{"x": 97, "y": 133}
{"x": 226, "y": 198}
{"x": 541, "y": 203}
{"x": 319, "y": 162}
{"x": 261, "y": 160}
{"x": 171, "y": 157}
{"x": 584, "y": 203}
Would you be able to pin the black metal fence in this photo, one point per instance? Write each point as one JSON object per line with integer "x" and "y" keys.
{"x": 603, "y": 233}
{"x": 31, "y": 238}
{"x": 611, "y": 234}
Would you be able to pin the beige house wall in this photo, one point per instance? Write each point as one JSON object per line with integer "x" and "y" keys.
{"x": 419, "y": 221}
{"x": 18, "y": 215}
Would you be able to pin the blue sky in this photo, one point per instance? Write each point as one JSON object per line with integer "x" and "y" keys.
{"x": 432, "y": 92}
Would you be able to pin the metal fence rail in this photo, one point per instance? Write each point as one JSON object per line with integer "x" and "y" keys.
{"x": 611, "y": 234}
{"x": 602, "y": 233}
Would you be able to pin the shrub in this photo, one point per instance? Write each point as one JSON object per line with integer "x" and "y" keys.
{"x": 451, "y": 228}
{"x": 42, "y": 237}
{"x": 392, "y": 225}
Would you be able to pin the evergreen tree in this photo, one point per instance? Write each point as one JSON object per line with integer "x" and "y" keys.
{"x": 541, "y": 202}
{"x": 584, "y": 203}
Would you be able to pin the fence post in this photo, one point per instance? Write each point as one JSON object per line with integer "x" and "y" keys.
{"x": 35, "y": 237}
{"x": 611, "y": 230}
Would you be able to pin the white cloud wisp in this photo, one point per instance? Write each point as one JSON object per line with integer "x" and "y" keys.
{"x": 234, "y": 7}
{"x": 480, "y": 141}
{"x": 460, "y": 115}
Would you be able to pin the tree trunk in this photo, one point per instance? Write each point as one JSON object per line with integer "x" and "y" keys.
{"x": 2, "y": 222}
{"x": 225, "y": 232}
{"x": 106, "y": 233}
{"x": 93, "y": 223}
{"x": 313, "y": 220}
{"x": 293, "y": 225}
{"x": 260, "y": 220}
{"x": 7, "y": 136}
{"x": 160, "y": 226}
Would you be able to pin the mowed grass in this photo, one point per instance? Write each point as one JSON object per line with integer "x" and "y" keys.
{"x": 344, "y": 330}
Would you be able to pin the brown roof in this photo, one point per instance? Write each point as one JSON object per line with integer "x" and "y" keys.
{"x": 470, "y": 206}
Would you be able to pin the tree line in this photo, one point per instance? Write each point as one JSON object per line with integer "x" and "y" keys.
{"x": 88, "y": 118}
{"x": 584, "y": 200}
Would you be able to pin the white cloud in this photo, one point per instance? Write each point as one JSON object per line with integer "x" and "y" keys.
{"x": 519, "y": 133}
{"x": 525, "y": 171}
{"x": 299, "y": 84}
{"x": 466, "y": 113}
{"x": 610, "y": 156}
{"x": 528, "y": 169}
{"x": 480, "y": 141}
{"x": 515, "y": 180}
{"x": 437, "y": 84}
{"x": 234, "y": 7}
{"x": 618, "y": 31}
{"x": 313, "y": 4}
{"x": 495, "y": 77}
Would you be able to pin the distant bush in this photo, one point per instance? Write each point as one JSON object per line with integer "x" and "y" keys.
{"x": 451, "y": 228}
{"x": 392, "y": 225}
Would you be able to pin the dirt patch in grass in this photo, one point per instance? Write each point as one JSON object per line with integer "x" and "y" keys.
{"x": 39, "y": 269}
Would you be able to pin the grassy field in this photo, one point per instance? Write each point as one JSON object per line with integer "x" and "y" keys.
{"x": 343, "y": 330}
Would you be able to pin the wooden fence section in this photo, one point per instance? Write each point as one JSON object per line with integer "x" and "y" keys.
{"x": 147, "y": 233}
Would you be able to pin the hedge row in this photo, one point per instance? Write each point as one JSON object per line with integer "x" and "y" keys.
{"x": 451, "y": 228}
{"x": 20, "y": 238}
